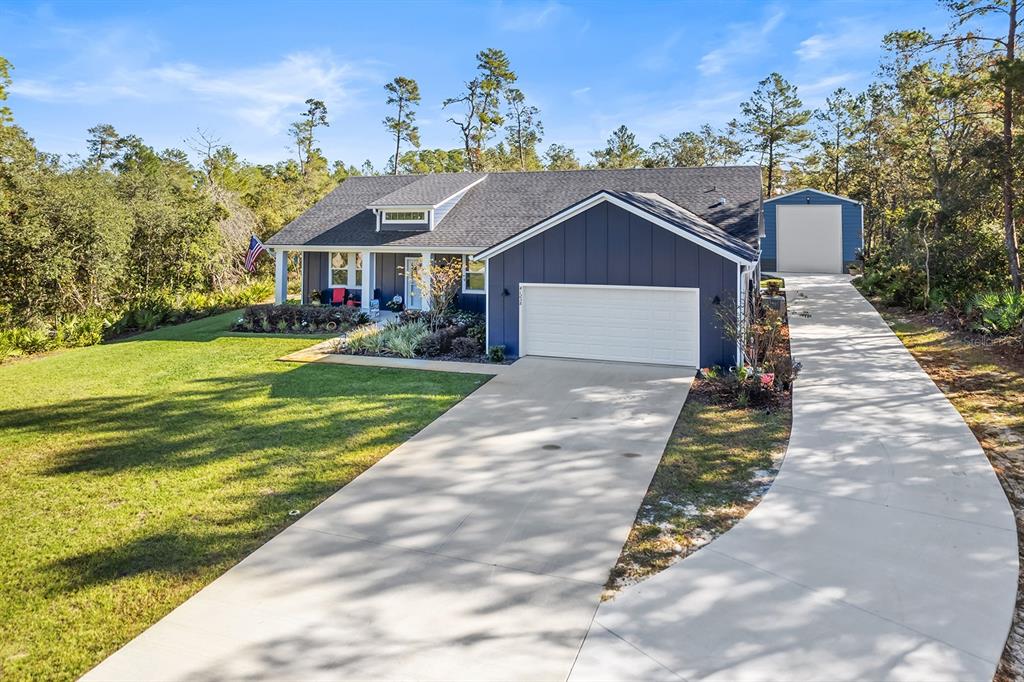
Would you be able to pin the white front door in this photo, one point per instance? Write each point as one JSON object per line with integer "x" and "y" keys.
{"x": 630, "y": 324}
{"x": 809, "y": 238}
{"x": 413, "y": 298}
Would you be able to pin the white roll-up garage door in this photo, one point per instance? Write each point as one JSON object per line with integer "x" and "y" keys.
{"x": 809, "y": 238}
{"x": 629, "y": 324}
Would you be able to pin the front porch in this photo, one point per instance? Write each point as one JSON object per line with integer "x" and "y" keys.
{"x": 371, "y": 279}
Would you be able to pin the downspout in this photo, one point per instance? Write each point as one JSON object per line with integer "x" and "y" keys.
{"x": 742, "y": 322}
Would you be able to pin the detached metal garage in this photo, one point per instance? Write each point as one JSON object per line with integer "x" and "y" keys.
{"x": 811, "y": 231}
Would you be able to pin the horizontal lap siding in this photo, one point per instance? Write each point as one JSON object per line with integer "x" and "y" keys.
{"x": 851, "y": 218}
{"x": 608, "y": 245}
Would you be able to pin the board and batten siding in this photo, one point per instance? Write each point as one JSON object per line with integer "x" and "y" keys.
{"x": 316, "y": 273}
{"x": 609, "y": 245}
{"x": 851, "y": 220}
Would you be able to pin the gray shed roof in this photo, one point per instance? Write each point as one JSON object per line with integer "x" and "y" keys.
{"x": 427, "y": 190}
{"x": 505, "y": 204}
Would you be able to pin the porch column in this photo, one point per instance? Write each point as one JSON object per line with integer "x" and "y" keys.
{"x": 426, "y": 280}
{"x": 369, "y": 278}
{"x": 280, "y": 276}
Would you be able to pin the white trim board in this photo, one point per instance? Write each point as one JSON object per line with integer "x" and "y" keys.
{"x": 586, "y": 205}
{"x": 465, "y": 272}
{"x": 816, "y": 191}
{"x": 424, "y": 207}
{"x": 470, "y": 250}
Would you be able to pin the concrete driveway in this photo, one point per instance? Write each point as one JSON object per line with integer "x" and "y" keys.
{"x": 886, "y": 548}
{"x": 477, "y": 550}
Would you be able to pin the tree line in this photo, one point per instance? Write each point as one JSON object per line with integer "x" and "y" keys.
{"x": 932, "y": 149}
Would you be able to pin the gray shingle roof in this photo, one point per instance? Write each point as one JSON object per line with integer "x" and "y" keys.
{"x": 428, "y": 190}
{"x": 658, "y": 205}
{"x": 507, "y": 203}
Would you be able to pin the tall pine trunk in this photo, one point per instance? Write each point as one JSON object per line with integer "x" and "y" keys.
{"x": 1010, "y": 233}
{"x": 398, "y": 136}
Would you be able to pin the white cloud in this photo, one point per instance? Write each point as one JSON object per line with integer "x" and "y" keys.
{"x": 749, "y": 39}
{"x": 265, "y": 96}
{"x": 529, "y": 17}
{"x": 580, "y": 92}
{"x": 851, "y": 36}
{"x": 828, "y": 83}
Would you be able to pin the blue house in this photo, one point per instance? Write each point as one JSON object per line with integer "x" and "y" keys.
{"x": 632, "y": 265}
{"x": 811, "y": 231}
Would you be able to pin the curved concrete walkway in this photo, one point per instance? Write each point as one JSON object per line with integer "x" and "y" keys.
{"x": 886, "y": 548}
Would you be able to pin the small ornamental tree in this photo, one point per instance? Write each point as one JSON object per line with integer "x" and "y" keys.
{"x": 756, "y": 328}
{"x": 440, "y": 286}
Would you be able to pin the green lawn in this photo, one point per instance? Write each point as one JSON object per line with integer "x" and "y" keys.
{"x": 133, "y": 473}
{"x": 704, "y": 484}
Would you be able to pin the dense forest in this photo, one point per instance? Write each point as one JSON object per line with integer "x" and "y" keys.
{"x": 127, "y": 236}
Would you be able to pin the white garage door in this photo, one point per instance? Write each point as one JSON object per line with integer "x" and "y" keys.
{"x": 630, "y": 324}
{"x": 809, "y": 238}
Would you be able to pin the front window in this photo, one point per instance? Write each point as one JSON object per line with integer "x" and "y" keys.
{"x": 346, "y": 269}
{"x": 473, "y": 275}
{"x": 405, "y": 216}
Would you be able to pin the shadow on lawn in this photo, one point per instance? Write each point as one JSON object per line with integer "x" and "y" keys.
{"x": 305, "y": 431}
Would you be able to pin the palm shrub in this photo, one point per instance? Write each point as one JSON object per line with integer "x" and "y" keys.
{"x": 997, "y": 312}
{"x": 81, "y": 330}
{"x": 29, "y": 340}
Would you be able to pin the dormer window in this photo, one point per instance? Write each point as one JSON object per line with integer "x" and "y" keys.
{"x": 405, "y": 216}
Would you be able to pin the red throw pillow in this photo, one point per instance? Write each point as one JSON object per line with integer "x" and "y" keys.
{"x": 338, "y": 295}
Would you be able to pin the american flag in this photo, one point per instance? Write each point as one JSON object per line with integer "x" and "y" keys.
{"x": 255, "y": 249}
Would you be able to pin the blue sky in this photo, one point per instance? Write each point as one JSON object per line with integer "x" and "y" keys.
{"x": 242, "y": 70}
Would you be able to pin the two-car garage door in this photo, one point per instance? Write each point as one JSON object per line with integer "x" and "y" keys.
{"x": 596, "y": 322}
{"x": 809, "y": 238}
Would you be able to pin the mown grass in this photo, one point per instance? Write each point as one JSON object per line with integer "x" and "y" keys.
{"x": 134, "y": 473}
{"x": 717, "y": 464}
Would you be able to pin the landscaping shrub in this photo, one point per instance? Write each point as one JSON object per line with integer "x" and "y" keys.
{"x": 393, "y": 338}
{"x": 433, "y": 344}
{"x": 26, "y": 340}
{"x": 80, "y": 330}
{"x": 410, "y": 315}
{"x": 997, "y": 312}
{"x": 768, "y": 370}
{"x": 465, "y": 347}
{"x": 366, "y": 339}
{"x": 478, "y": 332}
{"x": 898, "y": 285}
{"x": 496, "y": 353}
{"x": 772, "y": 287}
{"x": 7, "y": 347}
{"x": 299, "y": 319}
{"x": 745, "y": 386}
{"x": 402, "y": 339}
